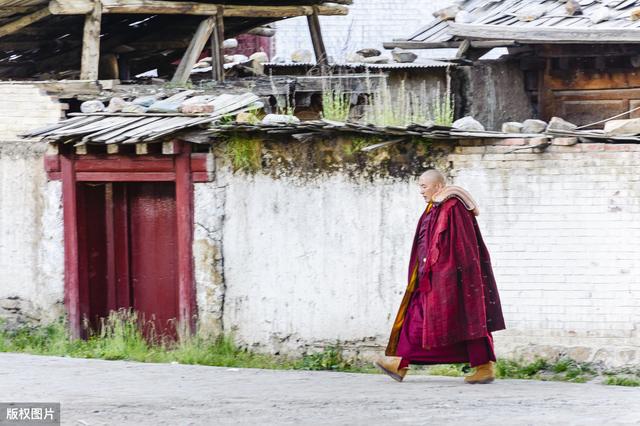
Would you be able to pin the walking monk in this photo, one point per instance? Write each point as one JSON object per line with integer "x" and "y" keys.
{"x": 451, "y": 304}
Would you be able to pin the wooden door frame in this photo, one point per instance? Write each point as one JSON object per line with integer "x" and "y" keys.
{"x": 72, "y": 168}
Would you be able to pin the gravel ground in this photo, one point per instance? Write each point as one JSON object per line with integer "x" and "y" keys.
{"x": 96, "y": 392}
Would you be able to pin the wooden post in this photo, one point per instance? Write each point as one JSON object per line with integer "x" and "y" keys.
{"x": 71, "y": 263}
{"x": 191, "y": 55}
{"x": 184, "y": 213}
{"x": 90, "y": 62}
{"x": 217, "y": 54}
{"x": 318, "y": 43}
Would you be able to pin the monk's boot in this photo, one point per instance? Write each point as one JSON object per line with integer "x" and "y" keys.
{"x": 389, "y": 365}
{"x": 485, "y": 373}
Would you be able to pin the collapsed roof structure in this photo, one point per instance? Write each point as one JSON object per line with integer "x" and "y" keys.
{"x": 115, "y": 39}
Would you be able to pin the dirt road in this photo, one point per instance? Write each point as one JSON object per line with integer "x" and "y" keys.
{"x": 95, "y": 392}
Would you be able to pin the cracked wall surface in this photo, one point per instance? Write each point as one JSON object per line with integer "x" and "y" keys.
{"x": 31, "y": 246}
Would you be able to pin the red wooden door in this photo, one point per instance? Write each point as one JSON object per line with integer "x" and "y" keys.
{"x": 127, "y": 237}
{"x": 153, "y": 253}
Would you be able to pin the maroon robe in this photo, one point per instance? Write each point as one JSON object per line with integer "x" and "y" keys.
{"x": 449, "y": 313}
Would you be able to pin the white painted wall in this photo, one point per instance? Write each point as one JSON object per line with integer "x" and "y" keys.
{"x": 368, "y": 24}
{"x": 307, "y": 263}
{"x": 31, "y": 246}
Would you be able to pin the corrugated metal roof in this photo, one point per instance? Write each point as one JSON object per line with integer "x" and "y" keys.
{"x": 423, "y": 63}
{"x": 504, "y": 14}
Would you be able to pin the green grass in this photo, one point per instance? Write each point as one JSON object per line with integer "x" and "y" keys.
{"x": 622, "y": 381}
{"x": 120, "y": 339}
{"x": 335, "y": 105}
{"x": 245, "y": 153}
{"x": 563, "y": 369}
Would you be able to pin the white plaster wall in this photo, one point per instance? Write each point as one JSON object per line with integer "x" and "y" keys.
{"x": 31, "y": 232}
{"x": 309, "y": 263}
{"x": 31, "y": 246}
{"x": 368, "y": 24}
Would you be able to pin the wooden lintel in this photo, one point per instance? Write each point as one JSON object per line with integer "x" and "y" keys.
{"x": 191, "y": 55}
{"x": 81, "y": 7}
{"x": 18, "y": 24}
{"x": 90, "y": 61}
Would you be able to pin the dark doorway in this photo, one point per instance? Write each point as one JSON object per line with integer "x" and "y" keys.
{"x": 127, "y": 238}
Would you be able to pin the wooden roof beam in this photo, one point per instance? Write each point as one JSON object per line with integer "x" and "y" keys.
{"x": 546, "y": 35}
{"x": 27, "y": 20}
{"x": 166, "y": 7}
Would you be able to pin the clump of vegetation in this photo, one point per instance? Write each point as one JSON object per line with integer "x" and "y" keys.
{"x": 335, "y": 104}
{"x": 449, "y": 370}
{"x": 330, "y": 358}
{"x": 245, "y": 153}
{"x": 622, "y": 381}
{"x": 564, "y": 369}
{"x": 356, "y": 145}
{"x": 442, "y": 107}
{"x": 403, "y": 107}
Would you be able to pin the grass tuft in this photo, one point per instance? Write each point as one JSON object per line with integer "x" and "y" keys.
{"x": 622, "y": 381}
{"x": 245, "y": 153}
{"x": 336, "y": 104}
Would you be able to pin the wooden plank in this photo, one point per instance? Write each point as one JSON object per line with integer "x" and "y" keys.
{"x": 71, "y": 262}
{"x": 184, "y": 219}
{"x": 217, "y": 54}
{"x": 27, "y": 20}
{"x": 126, "y": 177}
{"x": 482, "y": 44}
{"x": 90, "y": 61}
{"x": 318, "y": 43}
{"x": 160, "y": 7}
{"x": 550, "y": 35}
{"x": 191, "y": 55}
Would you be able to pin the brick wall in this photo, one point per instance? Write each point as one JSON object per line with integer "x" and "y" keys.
{"x": 25, "y": 107}
{"x": 563, "y": 229}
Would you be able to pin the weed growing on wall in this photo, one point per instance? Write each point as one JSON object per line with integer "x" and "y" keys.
{"x": 402, "y": 107}
{"x": 285, "y": 105}
{"x": 357, "y": 143}
{"x": 335, "y": 103}
{"x": 245, "y": 153}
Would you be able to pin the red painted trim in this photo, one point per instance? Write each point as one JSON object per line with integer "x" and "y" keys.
{"x": 123, "y": 163}
{"x": 125, "y": 177}
{"x": 184, "y": 216}
{"x": 71, "y": 276}
{"x": 110, "y": 240}
{"x": 201, "y": 177}
{"x": 199, "y": 162}
{"x": 127, "y": 168}
{"x": 52, "y": 163}
{"x": 122, "y": 266}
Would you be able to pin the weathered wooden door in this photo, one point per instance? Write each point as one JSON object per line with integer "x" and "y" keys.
{"x": 128, "y": 251}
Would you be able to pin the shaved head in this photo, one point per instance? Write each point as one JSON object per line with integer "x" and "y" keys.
{"x": 433, "y": 176}
{"x": 430, "y": 183}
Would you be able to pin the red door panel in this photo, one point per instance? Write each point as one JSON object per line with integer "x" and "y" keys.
{"x": 127, "y": 251}
{"x": 153, "y": 253}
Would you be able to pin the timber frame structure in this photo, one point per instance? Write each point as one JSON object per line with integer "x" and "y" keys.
{"x": 114, "y": 39}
